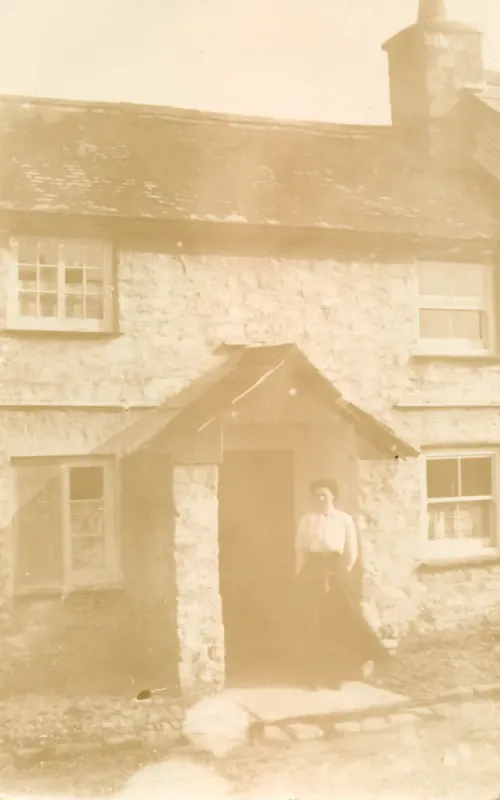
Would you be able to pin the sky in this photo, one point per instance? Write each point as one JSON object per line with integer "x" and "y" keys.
{"x": 298, "y": 59}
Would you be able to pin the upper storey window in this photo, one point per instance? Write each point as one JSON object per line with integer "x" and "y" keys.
{"x": 455, "y": 309}
{"x": 61, "y": 285}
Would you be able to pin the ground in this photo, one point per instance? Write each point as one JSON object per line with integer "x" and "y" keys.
{"x": 456, "y": 757}
{"x": 463, "y": 659}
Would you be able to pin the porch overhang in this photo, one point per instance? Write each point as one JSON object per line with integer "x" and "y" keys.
{"x": 201, "y": 410}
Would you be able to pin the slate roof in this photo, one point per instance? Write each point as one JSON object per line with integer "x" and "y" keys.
{"x": 487, "y": 94}
{"x": 161, "y": 163}
{"x": 237, "y": 372}
{"x": 490, "y": 96}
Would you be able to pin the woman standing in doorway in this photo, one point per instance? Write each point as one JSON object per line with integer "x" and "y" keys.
{"x": 336, "y": 639}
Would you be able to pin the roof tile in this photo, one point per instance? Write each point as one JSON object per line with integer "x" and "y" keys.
{"x": 154, "y": 162}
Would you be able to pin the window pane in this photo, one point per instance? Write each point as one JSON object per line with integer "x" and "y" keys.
{"x": 468, "y": 281}
{"x": 442, "y": 477}
{"x": 467, "y": 325}
{"x": 461, "y": 521}
{"x": 86, "y": 483}
{"x": 476, "y": 476}
{"x": 441, "y": 522}
{"x": 74, "y": 306}
{"x": 94, "y": 307}
{"x": 87, "y": 518}
{"x": 73, "y": 276}
{"x": 27, "y": 277}
{"x": 435, "y": 279}
{"x": 74, "y": 254}
{"x": 48, "y": 305}
{"x": 48, "y": 278}
{"x": 474, "y": 521}
{"x": 94, "y": 280}
{"x": 88, "y": 552}
{"x": 48, "y": 251}
{"x": 94, "y": 255}
{"x": 39, "y": 555}
{"x": 28, "y": 250}
{"x": 434, "y": 324}
{"x": 28, "y": 304}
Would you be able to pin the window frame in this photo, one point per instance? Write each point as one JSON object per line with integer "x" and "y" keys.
{"x": 73, "y": 580}
{"x": 447, "y": 550}
{"x": 61, "y": 324}
{"x": 456, "y": 346}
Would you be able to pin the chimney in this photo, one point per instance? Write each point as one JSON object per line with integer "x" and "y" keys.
{"x": 429, "y": 10}
{"x": 429, "y": 64}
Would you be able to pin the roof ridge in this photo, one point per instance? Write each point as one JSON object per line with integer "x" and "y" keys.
{"x": 198, "y": 115}
{"x": 109, "y": 160}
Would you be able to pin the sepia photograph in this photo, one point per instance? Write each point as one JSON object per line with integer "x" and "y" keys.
{"x": 250, "y": 399}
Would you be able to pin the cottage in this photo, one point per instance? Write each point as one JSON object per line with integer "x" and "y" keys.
{"x": 201, "y": 313}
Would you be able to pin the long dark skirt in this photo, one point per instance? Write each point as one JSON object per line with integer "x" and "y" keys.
{"x": 335, "y": 639}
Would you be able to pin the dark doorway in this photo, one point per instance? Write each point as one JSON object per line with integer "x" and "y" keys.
{"x": 257, "y": 564}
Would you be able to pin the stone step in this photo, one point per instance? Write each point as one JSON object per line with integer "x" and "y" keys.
{"x": 282, "y": 732}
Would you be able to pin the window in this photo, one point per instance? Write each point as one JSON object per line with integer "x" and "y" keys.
{"x": 455, "y": 314}
{"x": 61, "y": 285}
{"x": 461, "y": 514}
{"x": 65, "y": 525}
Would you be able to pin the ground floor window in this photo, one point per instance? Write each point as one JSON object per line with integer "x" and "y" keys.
{"x": 461, "y": 509}
{"x": 65, "y": 533}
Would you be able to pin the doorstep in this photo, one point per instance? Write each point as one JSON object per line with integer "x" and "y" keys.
{"x": 233, "y": 717}
{"x": 280, "y": 704}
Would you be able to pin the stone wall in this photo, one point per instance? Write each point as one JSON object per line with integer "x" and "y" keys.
{"x": 199, "y": 606}
{"x": 356, "y": 321}
{"x": 84, "y": 643}
{"x": 113, "y": 641}
{"x": 172, "y": 314}
{"x": 389, "y": 522}
{"x": 467, "y": 596}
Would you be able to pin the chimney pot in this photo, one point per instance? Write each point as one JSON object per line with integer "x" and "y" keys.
{"x": 431, "y": 10}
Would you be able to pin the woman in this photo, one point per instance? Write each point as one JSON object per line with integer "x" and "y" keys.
{"x": 336, "y": 639}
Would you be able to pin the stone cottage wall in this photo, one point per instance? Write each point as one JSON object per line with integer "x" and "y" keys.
{"x": 111, "y": 641}
{"x": 199, "y": 607}
{"x": 356, "y": 321}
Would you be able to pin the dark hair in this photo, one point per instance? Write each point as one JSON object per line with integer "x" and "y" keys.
{"x": 324, "y": 483}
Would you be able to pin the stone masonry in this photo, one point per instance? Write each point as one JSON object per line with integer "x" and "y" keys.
{"x": 199, "y": 607}
{"x": 356, "y": 321}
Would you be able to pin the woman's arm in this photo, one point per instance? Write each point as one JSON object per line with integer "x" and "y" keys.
{"x": 351, "y": 543}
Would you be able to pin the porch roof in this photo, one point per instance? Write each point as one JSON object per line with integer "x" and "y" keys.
{"x": 238, "y": 372}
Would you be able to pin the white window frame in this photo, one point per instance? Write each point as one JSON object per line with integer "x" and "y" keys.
{"x": 17, "y": 321}
{"x": 447, "y": 550}
{"x": 112, "y": 573}
{"x": 455, "y": 346}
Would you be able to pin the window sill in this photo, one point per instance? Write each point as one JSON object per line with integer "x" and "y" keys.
{"x": 448, "y": 563}
{"x": 456, "y": 358}
{"x": 85, "y": 591}
{"x": 30, "y": 333}
{"x": 57, "y": 592}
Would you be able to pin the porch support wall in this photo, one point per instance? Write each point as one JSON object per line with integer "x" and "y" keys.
{"x": 199, "y": 606}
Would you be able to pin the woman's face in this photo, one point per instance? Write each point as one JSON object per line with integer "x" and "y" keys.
{"x": 322, "y": 500}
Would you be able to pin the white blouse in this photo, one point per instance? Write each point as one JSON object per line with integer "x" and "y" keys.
{"x": 321, "y": 533}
